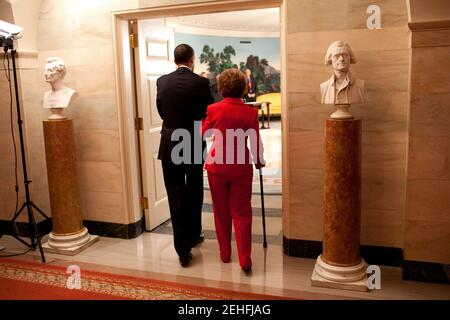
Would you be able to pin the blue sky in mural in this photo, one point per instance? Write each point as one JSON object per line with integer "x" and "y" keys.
{"x": 268, "y": 48}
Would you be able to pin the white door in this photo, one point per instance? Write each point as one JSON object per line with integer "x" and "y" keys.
{"x": 154, "y": 58}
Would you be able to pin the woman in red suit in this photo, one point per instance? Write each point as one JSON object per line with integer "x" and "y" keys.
{"x": 229, "y": 165}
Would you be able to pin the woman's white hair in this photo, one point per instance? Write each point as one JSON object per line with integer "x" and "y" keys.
{"x": 337, "y": 44}
{"x": 57, "y": 64}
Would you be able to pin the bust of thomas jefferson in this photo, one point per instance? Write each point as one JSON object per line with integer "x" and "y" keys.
{"x": 342, "y": 88}
{"x": 59, "y": 96}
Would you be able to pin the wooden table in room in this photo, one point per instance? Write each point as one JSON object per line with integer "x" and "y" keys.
{"x": 259, "y": 106}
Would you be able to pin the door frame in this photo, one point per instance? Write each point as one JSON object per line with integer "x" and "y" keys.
{"x": 126, "y": 101}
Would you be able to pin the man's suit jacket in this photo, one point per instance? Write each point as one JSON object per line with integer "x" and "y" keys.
{"x": 182, "y": 98}
{"x": 232, "y": 113}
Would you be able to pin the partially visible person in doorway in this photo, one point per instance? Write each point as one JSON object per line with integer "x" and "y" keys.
{"x": 182, "y": 98}
{"x": 250, "y": 96}
{"x": 215, "y": 89}
{"x": 229, "y": 165}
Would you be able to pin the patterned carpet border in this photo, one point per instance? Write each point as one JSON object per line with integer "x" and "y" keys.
{"x": 126, "y": 287}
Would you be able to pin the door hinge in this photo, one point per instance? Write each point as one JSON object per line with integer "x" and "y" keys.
{"x": 133, "y": 40}
{"x": 144, "y": 203}
{"x": 139, "y": 124}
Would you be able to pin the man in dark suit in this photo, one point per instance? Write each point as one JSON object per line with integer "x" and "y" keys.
{"x": 182, "y": 98}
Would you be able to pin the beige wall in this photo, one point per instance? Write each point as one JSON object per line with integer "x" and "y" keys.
{"x": 427, "y": 235}
{"x": 382, "y": 60}
{"x": 26, "y": 15}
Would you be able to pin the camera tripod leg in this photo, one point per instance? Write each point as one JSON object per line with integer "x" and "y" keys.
{"x": 14, "y": 219}
{"x": 39, "y": 210}
{"x": 18, "y": 213}
{"x": 23, "y": 241}
{"x": 35, "y": 235}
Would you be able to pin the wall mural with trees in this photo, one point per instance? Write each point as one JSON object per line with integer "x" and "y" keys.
{"x": 214, "y": 54}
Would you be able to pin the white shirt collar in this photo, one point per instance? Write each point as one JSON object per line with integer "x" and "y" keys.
{"x": 183, "y": 66}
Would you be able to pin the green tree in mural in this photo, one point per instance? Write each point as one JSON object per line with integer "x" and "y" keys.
{"x": 265, "y": 83}
{"x": 219, "y": 61}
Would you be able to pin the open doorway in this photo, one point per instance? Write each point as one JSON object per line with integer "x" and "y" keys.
{"x": 246, "y": 39}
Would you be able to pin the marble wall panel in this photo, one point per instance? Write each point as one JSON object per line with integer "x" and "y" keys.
{"x": 100, "y": 176}
{"x": 305, "y": 223}
{"x": 103, "y": 206}
{"x": 429, "y": 70}
{"x": 429, "y": 158}
{"x": 5, "y": 119}
{"x": 306, "y": 150}
{"x": 94, "y": 113}
{"x": 388, "y": 231}
{"x": 307, "y": 188}
{"x": 383, "y": 191}
{"x": 305, "y": 73}
{"x": 54, "y": 8}
{"x": 429, "y": 200}
{"x": 427, "y": 216}
{"x": 430, "y": 114}
{"x": 79, "y": 57}
{"x": 310, "y": 16}
{"x": 360, "y": 40}
{"x": 430, "y": 39}
{"x": 427, "y": 241}
{"x": 88, "y": 79}
{"x": 383, "y": 111}
{"x": 384, "y": 153}
{"x": 98, "y": 145}
{"x": 75, "y": 31}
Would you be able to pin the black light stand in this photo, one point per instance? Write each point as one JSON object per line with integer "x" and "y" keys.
{"x": 35, "y": 237}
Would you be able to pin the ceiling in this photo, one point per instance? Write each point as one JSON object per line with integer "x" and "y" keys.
{"x": 262, "y": 22}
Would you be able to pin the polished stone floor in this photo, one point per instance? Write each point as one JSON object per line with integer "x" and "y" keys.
{"x": 152, "y": 255}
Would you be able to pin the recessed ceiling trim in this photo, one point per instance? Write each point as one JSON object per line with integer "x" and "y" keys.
{"x": 222, "y": 33}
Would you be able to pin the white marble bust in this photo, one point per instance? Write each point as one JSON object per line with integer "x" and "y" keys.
{"x": 342, "y": 89}
{"x": 60, "y": 96}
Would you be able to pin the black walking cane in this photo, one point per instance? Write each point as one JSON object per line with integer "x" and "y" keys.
{"x": 262, "y": 207}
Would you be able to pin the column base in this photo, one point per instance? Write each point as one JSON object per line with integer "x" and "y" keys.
{"x": 347, "y": 278}
{"x": 71, "y": 244}
{"x": 342, "y": 112}
{"x": 2, "y": 248}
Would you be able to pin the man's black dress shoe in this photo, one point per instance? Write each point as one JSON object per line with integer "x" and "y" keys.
{"x": 185, "y": 261}
{"x": 200, "y": 239}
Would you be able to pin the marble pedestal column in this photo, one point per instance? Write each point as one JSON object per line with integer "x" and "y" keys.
{"x": 68, "y": 236}
{"x": 340, "y": 264}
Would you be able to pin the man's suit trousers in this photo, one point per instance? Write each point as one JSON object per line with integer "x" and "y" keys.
{"x": 184, "y": 185}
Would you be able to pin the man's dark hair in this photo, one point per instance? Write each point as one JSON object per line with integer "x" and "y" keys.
{"x": 183, "y": 53}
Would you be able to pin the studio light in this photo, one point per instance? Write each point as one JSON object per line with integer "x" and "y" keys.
{"x": 9, "y": 30}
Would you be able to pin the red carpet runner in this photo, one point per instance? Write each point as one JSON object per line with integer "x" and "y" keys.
{"x": 20, "y": 280}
